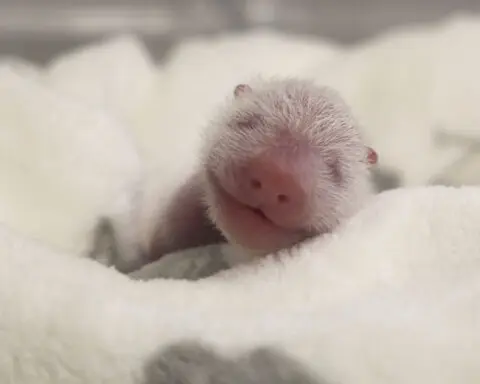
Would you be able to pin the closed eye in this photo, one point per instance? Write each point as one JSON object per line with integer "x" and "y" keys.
{"x": 334, "y": 168}
{"x": 251, "y": 121}
{"x": 246, "y": 125}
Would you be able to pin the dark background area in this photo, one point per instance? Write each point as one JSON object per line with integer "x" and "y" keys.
{"x": 37, "y": 30}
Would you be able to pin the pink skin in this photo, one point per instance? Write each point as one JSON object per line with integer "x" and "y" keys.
{"x": 185, "y": 223}
{"x": 260, "y": 212}
{"x": 287, "y": 162}
{"x": 284, "y": 161}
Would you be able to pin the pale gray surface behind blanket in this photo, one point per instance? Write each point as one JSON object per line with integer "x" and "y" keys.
{"x": 38, "y": 30}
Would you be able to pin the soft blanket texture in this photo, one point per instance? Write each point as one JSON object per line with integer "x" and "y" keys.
{"x": 392, "y": 298}
{"x": 63, "y": 165}
{"x": 103, "y": 132}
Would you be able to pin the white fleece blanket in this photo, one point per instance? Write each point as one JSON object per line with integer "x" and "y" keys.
{"x": 105, "y": 132}
{"x": 393, "y": 298}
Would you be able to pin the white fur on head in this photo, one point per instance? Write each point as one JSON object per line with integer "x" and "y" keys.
{"x": 311, "y": 125}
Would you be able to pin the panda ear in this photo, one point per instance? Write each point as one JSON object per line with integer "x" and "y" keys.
{"x": 240, "y": 89}
{"x": 372, "y": 156}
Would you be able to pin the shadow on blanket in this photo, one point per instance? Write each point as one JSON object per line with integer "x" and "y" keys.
{"x": 195, "y": 363}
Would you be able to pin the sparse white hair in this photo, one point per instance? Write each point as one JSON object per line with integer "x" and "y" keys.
{"x": 305, "y": 121}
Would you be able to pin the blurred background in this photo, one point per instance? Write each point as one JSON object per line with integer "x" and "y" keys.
{"x": 376, "y": 78}
{"x": 38, "y": 30}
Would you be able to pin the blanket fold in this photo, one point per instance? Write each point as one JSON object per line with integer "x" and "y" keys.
{"x": 392, "y": 296}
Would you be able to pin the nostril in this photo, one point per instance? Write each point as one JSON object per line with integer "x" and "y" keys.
{"x": 282, "y": 198}
{"x": 255, "y": 184}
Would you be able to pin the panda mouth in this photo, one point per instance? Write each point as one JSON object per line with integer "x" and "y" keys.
{"x": 249, "y": 226}
{"x": 228, "y": 198}
{"x": 260, "y": 214}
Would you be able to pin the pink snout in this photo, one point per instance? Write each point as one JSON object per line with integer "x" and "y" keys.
{"x": 276, "y": 192}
